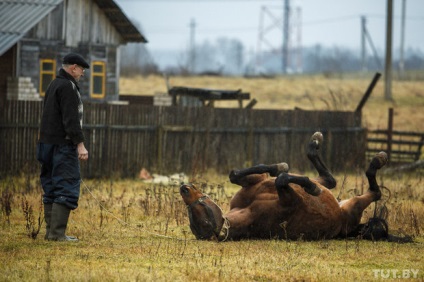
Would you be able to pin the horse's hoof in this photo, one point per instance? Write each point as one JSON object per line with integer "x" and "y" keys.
{"x": 277, "y": 169}
{"x": 316, "y": 140}
{"x": 379, "y": 160}
{"x": 233, "y": 176}
{"x": 317, "y": 137}
{"x": 282, "y": 167}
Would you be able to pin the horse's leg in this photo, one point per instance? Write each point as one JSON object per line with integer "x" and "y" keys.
{"x": 237, "y": 176}
{"x": 353, "y": 208}
{"x": 283, "y": 180}
{"x": 376, "y": 163}
{"x": 325, "y": 178}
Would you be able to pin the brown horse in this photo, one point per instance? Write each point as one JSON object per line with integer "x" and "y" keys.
{"x": 273, "y": 203}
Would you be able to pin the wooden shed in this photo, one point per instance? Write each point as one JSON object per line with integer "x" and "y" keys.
{"x": 36, "y": 34}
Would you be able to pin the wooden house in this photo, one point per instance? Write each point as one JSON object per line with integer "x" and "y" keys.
{"x": 36, "y": 34}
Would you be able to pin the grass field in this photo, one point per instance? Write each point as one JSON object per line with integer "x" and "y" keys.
{"x": 307, "y": 92}
{"x": 133, "y": 231}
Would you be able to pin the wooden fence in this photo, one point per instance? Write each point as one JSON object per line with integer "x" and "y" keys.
{"x": 122, "y": 139}
{"x": 401, "y": 146}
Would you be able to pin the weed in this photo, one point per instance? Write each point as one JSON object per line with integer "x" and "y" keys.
{"x": 6, "y": 203}
{"x": 31, "y": 229}
{"x": 48, "y": 268}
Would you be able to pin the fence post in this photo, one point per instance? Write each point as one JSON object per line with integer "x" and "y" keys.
{"x": 368, "y": 92}
{"x": 160, "y": 134}
{"x": 390, "y": 134}
{"x": 250, "y": 143}
{"x": 329, "y": 149}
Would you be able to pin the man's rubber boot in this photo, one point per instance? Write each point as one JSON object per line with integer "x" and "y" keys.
{"x": 58, "y": 223}
{"x": 47, "y": 218}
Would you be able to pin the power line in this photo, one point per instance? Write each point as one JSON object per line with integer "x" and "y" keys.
{"x": 331, "y": 20}
{"x": 198, "y": 1}
{"x": 233, "y": 29}
{"x": 248, "y": 29}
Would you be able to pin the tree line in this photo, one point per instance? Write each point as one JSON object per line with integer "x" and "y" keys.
{"x": 227, "y": 56}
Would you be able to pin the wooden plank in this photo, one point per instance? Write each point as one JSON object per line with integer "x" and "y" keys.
{"x": 399, "y": 142}
{"x": 396, "y": 132}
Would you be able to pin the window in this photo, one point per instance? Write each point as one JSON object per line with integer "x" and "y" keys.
{"x": 47, "y": 74}
{"x": 98, "y": 79}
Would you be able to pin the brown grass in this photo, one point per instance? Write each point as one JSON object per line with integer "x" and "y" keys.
{"x": 307, "y": 92}
{"x": 131, "y": 231}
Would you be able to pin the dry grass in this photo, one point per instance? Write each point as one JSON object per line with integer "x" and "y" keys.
{"x": 307, "y": 92}
{"x": 131, "y": 231}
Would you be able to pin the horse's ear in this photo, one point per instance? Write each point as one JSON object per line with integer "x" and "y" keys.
{"x": 184, "y": 190}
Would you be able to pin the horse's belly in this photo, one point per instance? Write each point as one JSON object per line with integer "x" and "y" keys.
{"x": 312, "y": 227}
{"x": 311, "y": 218}
{"x": 315, "y": 218}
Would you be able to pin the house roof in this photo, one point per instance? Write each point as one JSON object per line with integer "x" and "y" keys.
{"x": 122, "y": 24}
{"x": 13, "y": 25}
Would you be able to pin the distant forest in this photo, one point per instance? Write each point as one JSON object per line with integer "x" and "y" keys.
{"x": 229, "y": 57}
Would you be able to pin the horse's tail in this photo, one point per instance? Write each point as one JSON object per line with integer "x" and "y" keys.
{"x": 377, "y": 229}
{"x": 400, "y": 239}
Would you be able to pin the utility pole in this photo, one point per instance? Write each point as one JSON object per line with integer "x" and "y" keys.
{"x": 287, "y": 26}
{"x": 286, "y": 35}
{"x": 367, "y": 37}
{"x": 192, "y": 59}
{"x": 388, "y": 67}
{"x": 299, "y": 52}
{"x": 402, "y": 40}
{"x": 363, "y": 46}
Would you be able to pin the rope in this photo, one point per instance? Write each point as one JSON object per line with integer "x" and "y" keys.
{"x": 126, "y": 223}
{"x": 225, "y": 231}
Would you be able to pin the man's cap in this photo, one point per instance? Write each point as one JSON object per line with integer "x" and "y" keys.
{"x": 74, "y": 58}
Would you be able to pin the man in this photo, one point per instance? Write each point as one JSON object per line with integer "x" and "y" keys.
{"x": 61, "y": 146}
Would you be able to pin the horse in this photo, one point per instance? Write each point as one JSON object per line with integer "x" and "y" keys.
{"x": 273, "y": 203}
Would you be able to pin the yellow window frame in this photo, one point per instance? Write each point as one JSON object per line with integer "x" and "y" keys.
{"x": 96, "y": 74}
{"x": 44, "y": 72}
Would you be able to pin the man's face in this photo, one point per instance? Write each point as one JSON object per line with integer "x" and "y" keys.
{"x": 77, "y": 71}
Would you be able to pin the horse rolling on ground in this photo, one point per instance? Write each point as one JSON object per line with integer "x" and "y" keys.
{"x": 273, "y": 203}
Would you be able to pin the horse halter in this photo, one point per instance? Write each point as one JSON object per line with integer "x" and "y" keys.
{"x": 222, "y": 234}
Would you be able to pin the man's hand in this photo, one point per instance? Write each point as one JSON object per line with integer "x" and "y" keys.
{"x": 82, "y": 152}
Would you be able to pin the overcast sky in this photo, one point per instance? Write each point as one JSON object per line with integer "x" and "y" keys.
{"x": 166, "y": 23}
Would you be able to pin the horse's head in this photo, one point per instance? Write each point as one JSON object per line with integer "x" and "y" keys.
{"x": 206, "y": 220}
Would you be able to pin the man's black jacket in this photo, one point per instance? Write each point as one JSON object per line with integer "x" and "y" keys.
{"x": 61, "y": 122}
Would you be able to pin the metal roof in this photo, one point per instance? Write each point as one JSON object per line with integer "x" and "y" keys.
{"x": 17, "y": 17}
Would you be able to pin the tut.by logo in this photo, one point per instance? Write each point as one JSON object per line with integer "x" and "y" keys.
{"x": 395, "y": 273}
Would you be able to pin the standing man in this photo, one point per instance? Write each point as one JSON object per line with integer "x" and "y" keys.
{"x": 61, "y": 146}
